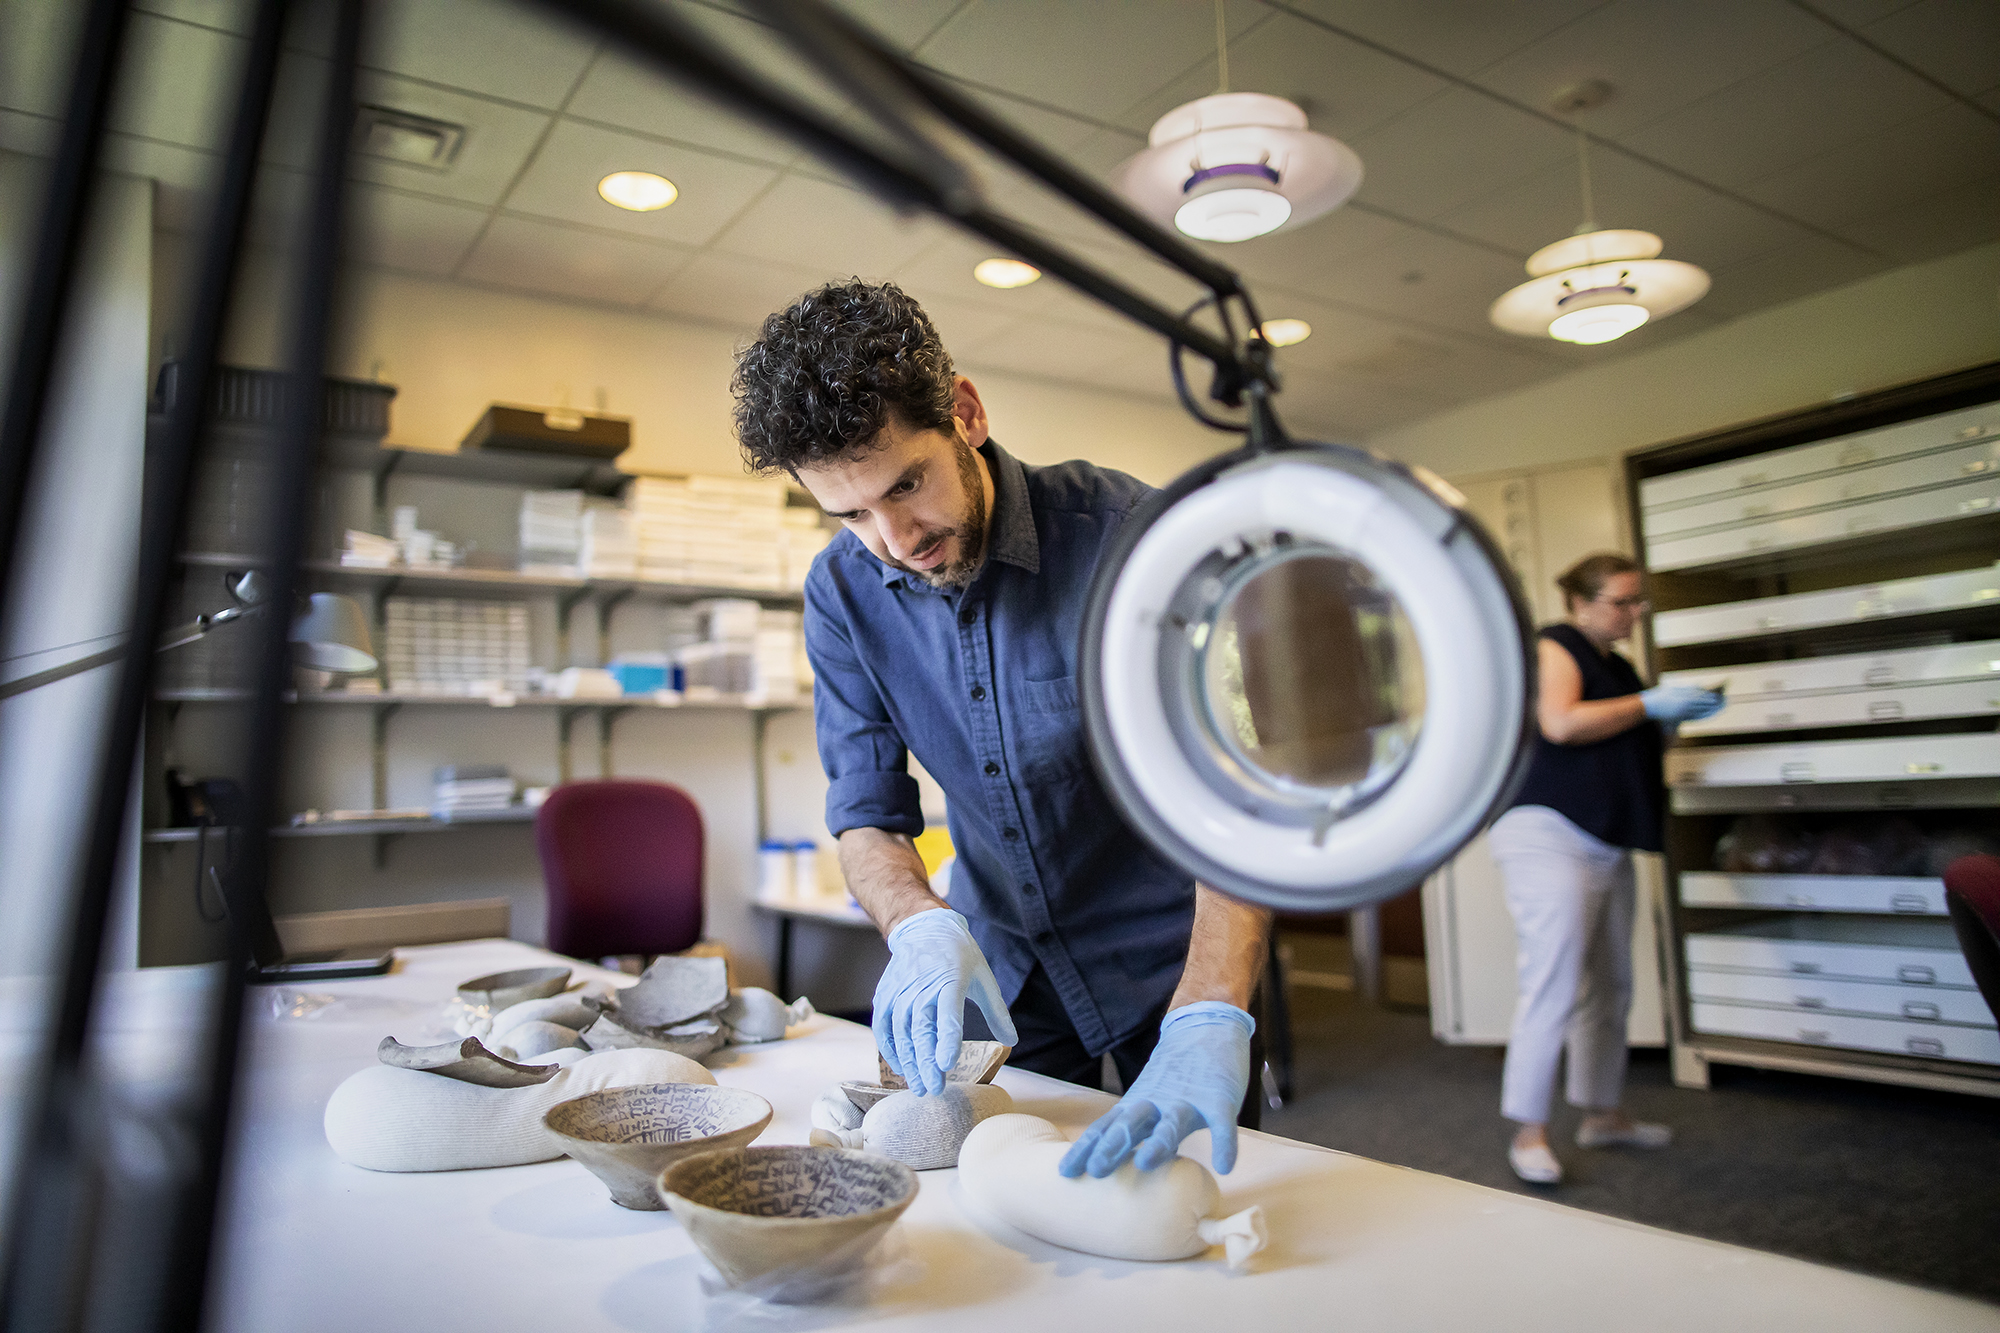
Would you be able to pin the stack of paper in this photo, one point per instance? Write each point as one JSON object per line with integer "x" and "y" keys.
{"x": 551, "y": 531}
{"x": 364, "y": 550}
{"x": 454, "y": 645}
{"x": 801, "y": 538}
{"x": 718, "y": 531}
{"x": 608, "y": 544}
{"x": 460, "y": 789}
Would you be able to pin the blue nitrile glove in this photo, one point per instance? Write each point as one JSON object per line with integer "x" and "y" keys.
{"x": 1681, "y": 703}
{"x": 934, "y": 968}
{"x": 1197, "y": 1076}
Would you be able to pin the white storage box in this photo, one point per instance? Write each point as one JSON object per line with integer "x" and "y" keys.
{"x": 1916, "y": 951}
{"x": 1939, "y": 1041}
{"x": 1898, "y": 894}
{"x": 1894, "y": 758}
{"x": 1944, "y": 431}
{"x": 1925, "y": 1004}
{"x": 1860, "y": 604}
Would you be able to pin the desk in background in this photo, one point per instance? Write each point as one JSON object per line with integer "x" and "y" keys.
{"x": 842, "y": 913}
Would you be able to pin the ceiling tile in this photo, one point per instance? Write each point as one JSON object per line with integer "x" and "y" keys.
{"x": 389, "y": 229}
{"x": 229, "y": 15}
{"x": 1829, "y": 97}
{"x": 942, "y": 271}
{"x": 1346, "y": 88}
{"x": 1807, "y": 265}
{"x": 1855, "y": 13}
{"x": 1954, "y": 41}
{"x": 561, "y": 182}
{"x": 1458, "y": 36}
{"x": 517, "y": 52}
{"x": 963, "y": 326}
{"x": 1418, "y": 278}
{"x": 1698, "y": 224}
{"x": 178, "y": 83}
{"x": 1050, "y": 349}
{"x": 185, "y": 176}
{"x": 1657, "y": 58}
{"x": 37, "y": 45}
{"x": 828, "y": 228}
{"x": 571, "y": 262}
{"x": 1453, "y": 149}
{"x": 631, "y": 94}
{"x": 1351, "y": 411}
{"x": 902, "y": 23}
{"x": 1142, "y": 373}
{"x": 498, "y": 140}
{"x": 1093, "y": 59}
{"x": 21, "y": 132}
{"x": 1284, "y": 257}
{"x": 725, "y": 289}
{"x": 1880, "y": 172}
{"x": 1945, "y": 223}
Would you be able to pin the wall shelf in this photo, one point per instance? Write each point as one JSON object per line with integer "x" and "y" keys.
{"x": 348, "y": 828}
{"x": 386, "y": 582}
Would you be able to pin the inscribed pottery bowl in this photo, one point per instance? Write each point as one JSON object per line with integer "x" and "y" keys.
{"x": 628, "y": 1137}
{"x": 784, "y": 1216}
{"x": 503, "y": 990}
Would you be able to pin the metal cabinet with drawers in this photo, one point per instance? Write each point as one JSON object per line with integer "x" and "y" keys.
{"x": 1834, "y": 573}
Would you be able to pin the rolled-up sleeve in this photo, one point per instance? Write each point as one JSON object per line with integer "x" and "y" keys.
{"x": 866, "y": 761}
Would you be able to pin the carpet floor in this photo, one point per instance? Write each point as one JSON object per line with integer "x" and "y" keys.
{"x": 1897, "y": 1182}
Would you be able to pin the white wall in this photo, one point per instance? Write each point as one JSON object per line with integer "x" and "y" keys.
{"x": 72, "y": 586}
{"x": 452, "y": 350}
{"x": 1909, "y": 323}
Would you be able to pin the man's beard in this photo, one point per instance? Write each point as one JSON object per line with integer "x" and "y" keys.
{"x": 970, "y": 532}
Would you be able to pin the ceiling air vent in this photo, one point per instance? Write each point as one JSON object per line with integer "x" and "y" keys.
{"x": 400, "y": 136}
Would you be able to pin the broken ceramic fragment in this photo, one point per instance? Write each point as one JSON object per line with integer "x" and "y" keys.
{"x": 692, "y": 1040}
{"x": 569, "y": 1011}
{"x": 670, "y": 992}
{"x": 503, "y": 990}
{"x": 530, "y": 1041}
{"x": 466, "y": 1060}
{"x": 754, "y": 1015}
{"x": 978, "y": 1062}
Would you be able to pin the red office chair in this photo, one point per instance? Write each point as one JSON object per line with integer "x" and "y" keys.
{"x": 1972, "y": 895}
{"x": 622, "y": 864}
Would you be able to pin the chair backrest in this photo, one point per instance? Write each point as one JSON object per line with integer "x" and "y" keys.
{"x": 621, "y": 861}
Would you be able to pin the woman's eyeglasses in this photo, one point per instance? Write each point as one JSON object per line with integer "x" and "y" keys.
{"x": 1624, "y": 603}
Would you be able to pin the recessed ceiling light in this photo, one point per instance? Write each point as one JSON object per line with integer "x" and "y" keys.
{"x": 1285, "y": 332}
{"x": 640, "y": 191}
{"x": 1005, "y": 273}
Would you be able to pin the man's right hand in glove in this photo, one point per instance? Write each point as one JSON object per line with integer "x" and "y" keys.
{"x": 934, "y": 968}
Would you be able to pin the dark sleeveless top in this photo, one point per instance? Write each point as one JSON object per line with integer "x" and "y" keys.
{"x": 1611, "y": 788}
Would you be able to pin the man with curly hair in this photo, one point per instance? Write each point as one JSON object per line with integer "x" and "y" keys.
{"x": 944, "y": 621}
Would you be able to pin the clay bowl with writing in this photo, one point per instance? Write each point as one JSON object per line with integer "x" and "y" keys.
{"x": 787, "y": 1217}
{"x": 627, "y": 1137}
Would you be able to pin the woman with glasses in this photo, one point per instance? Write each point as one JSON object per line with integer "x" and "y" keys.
{"x": 1592, "y": 796}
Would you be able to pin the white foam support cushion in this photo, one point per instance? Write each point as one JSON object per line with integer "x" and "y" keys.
{"x": 925, "y": 1133}
{"x": 754, "y": 1015}
{"x": 388, "y": 1119}
{"x": 833, "y": 1111}
{"x": 1008, "y": 1167}
{"x": 526, "y": 1043}
{"x": 564, "y": 1010}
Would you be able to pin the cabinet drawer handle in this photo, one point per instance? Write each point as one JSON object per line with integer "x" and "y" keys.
{"x": 1879, "y": 675}
{"x": 1799, "y": 770}
{"x": 1810, "y": 1002}
{"x": 1798, "y": 900}
{"x": 1884, "y": 710}
{"x": 1980, "y": 465}
{"x": 1814, "y": 1034}
{"x": 1756, "y": 511}
{"x": 1924, "y": 1046}
{"x": 1778, "y": 720}
{"x": 1753, "y": 478}
{"x": 1973, "y": 432}
{"x": 1807, "y": 968}
{"x": 1915, "y": 974}
{"x": 1923, "y": 766}
{"x": 1856, "y": 453}
{"x": 1921, "y": 1009}
{"x": 1909, "y": 902}
{"x": 1975, "y": 504}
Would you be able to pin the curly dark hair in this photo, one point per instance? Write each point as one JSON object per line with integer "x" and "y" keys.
{"x": 825, "y": 375}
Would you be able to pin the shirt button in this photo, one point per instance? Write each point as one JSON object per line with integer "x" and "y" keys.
{"x": 968, "y": 615}
{"x": 1010, "y": 834}
{"x": 991, "y": 768}
{"x": 1028, "y": 889}
{"x": 1045, "y": 937}
{"x": 978, "y": 691}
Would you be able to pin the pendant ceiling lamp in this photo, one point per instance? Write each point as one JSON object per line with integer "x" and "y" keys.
{"x": 1596, "y": 286}
{"x": 1231, "y": 166}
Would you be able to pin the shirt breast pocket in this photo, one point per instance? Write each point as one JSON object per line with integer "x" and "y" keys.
{"x": 1048, "y": 741}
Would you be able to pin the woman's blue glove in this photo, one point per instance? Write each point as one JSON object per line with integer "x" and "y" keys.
{"x": 1196, "y": 1077}
{"x": 934, "y": 968}
{"x": 1681, "y": 703}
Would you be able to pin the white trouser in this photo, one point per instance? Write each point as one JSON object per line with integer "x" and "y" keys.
{"x": 1571, "y": 895}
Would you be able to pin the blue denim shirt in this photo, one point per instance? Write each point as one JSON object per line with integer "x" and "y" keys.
{"x": 981, "y": 686}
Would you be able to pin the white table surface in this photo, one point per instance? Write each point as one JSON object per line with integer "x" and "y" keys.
{"x": 311, "y": 1243}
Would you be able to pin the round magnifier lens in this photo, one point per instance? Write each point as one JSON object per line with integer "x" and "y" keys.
{"x": 1312, "y": 681}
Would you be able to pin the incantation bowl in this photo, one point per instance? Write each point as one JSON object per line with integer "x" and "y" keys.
{"x": 504, "y": 990}
{"x": 787, "y": 1216}
{"x": 628, "y": 1137}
